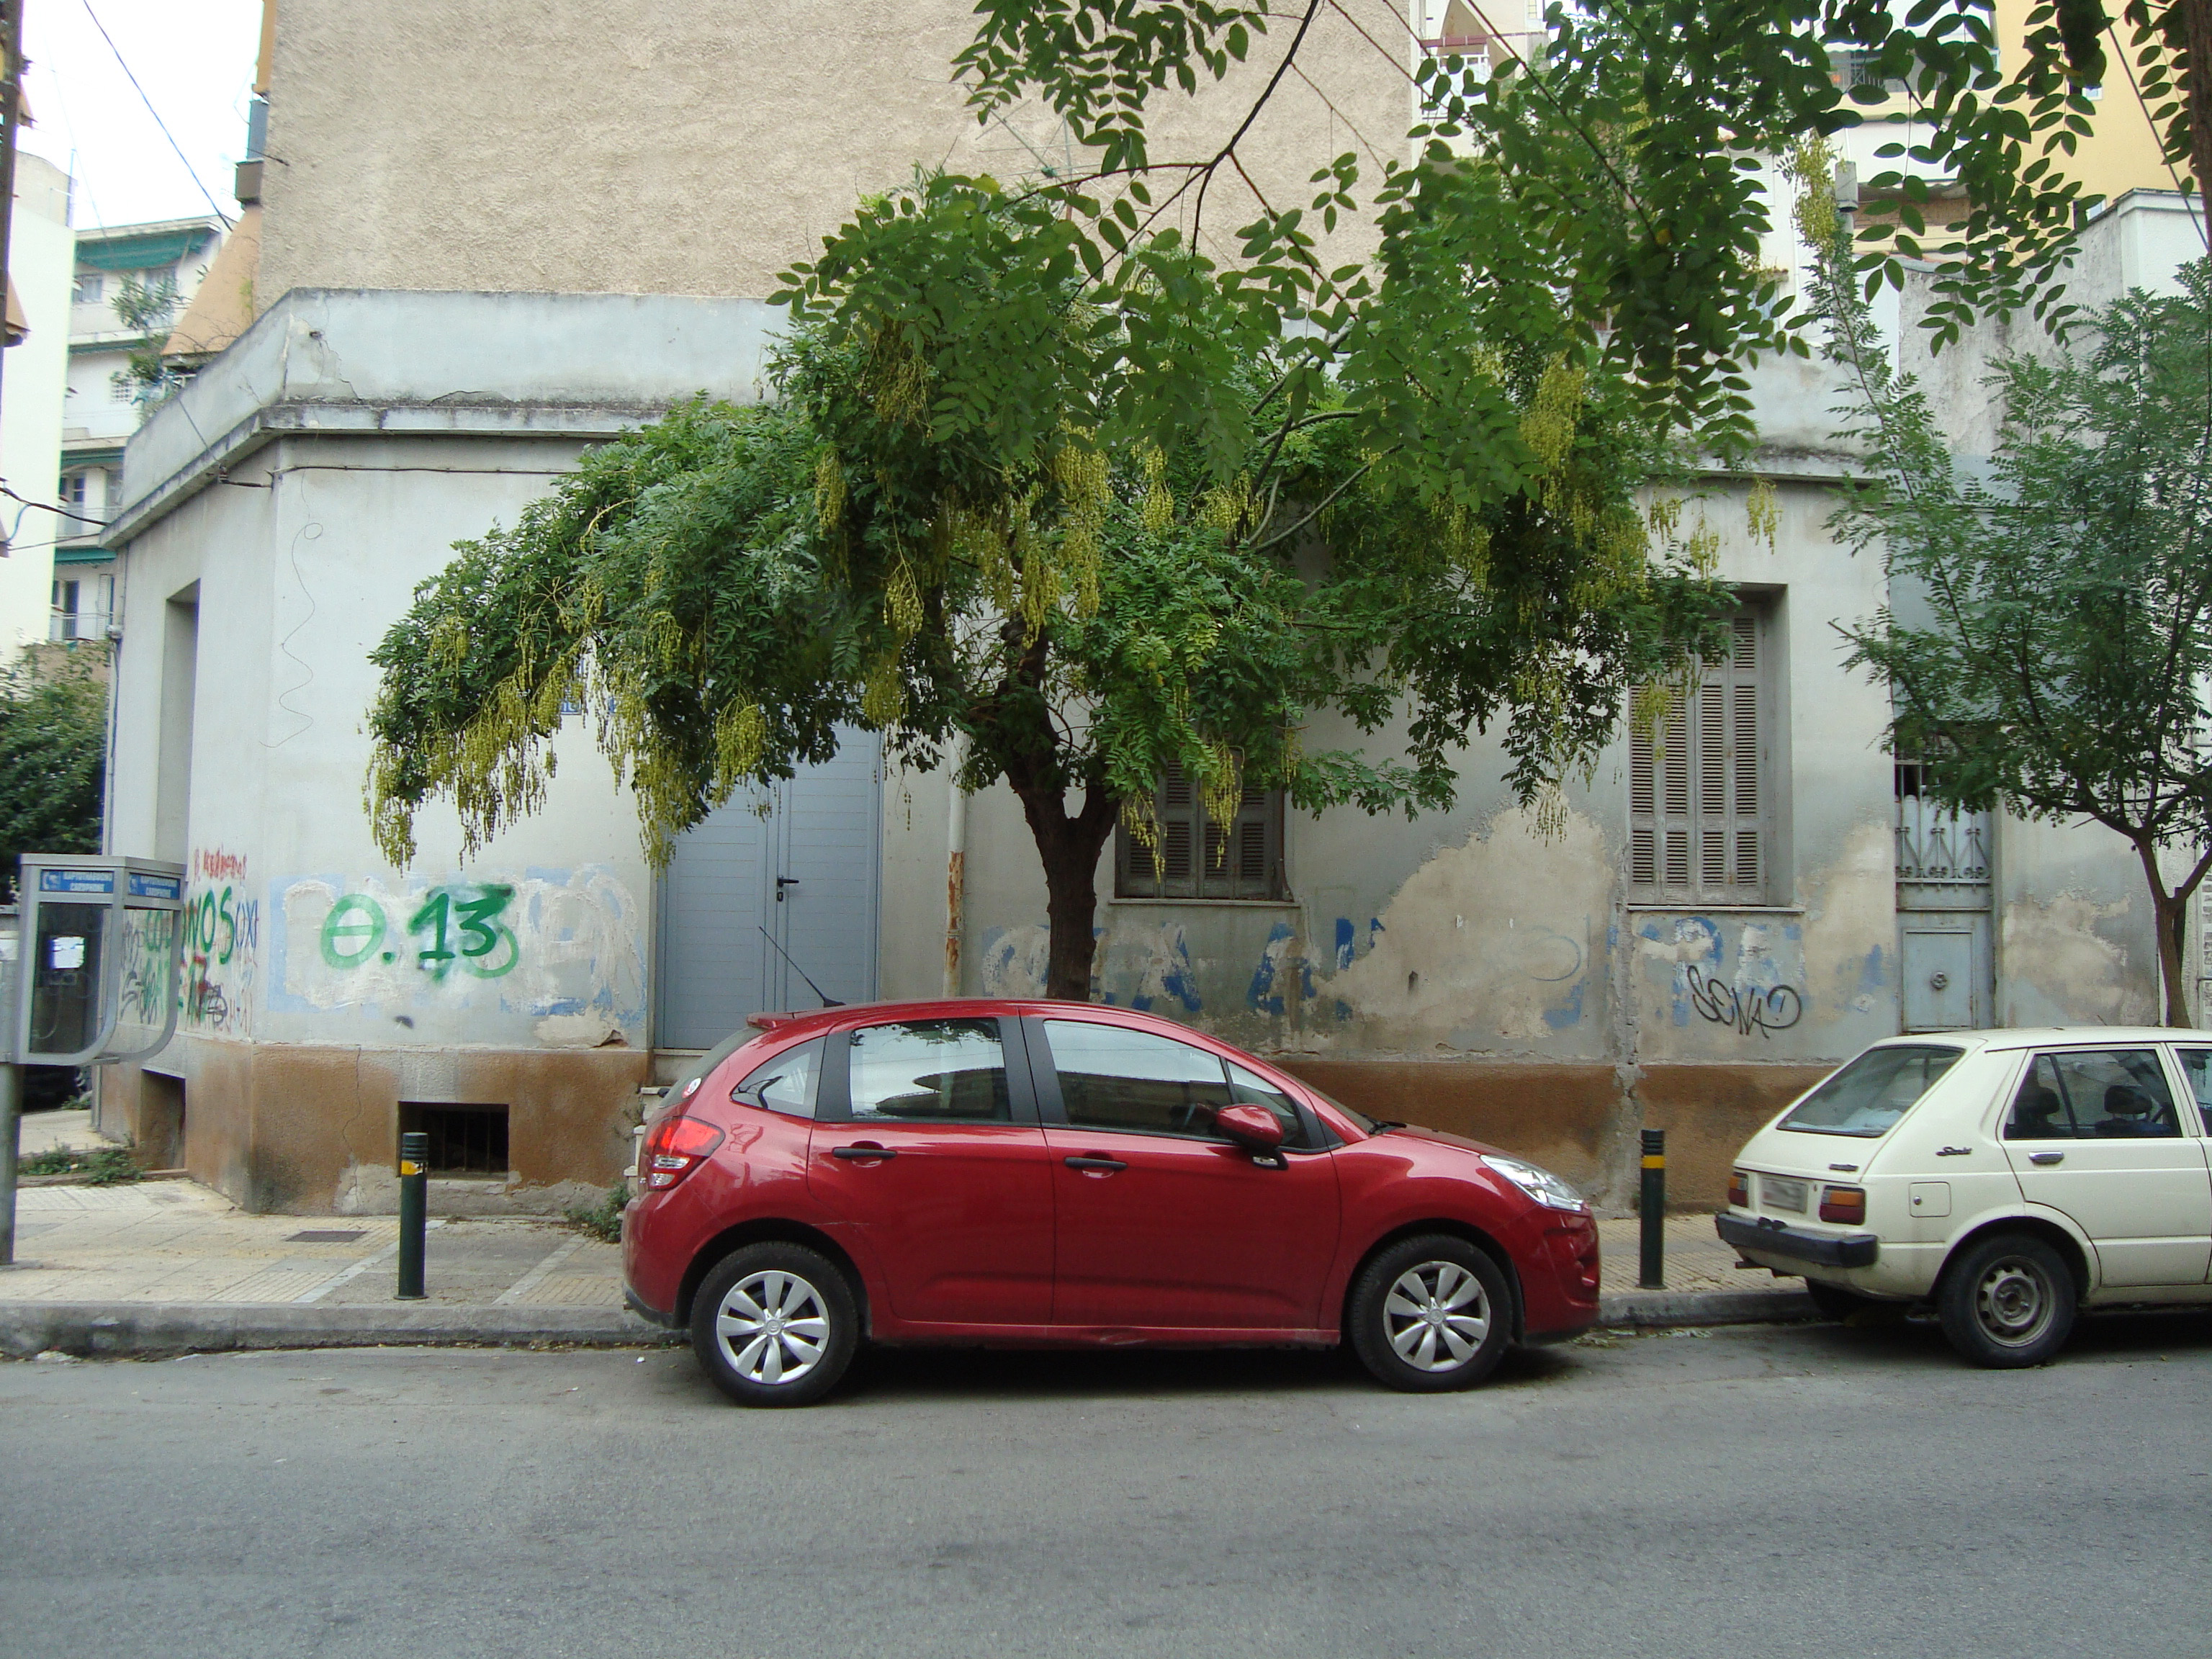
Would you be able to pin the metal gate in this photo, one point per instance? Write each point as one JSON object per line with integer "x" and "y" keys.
{"x": 794, "y": 866}
{"x": 1944, "y": 958}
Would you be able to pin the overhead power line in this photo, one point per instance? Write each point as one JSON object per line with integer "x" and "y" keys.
{"x": 155, "y": 114}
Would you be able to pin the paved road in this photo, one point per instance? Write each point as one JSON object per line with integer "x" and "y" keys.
{"x": 1746, "y": 1492}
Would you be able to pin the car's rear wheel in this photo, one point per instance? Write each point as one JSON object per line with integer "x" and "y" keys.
{"x": 1431, "y": 1314}
{"x": 774, "y": 1324}
{"x": 2007, "y": 1302}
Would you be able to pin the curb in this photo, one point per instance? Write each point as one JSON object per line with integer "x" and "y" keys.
{"x": 1653, "y": 1309}
{"x": 131, "y": 1330}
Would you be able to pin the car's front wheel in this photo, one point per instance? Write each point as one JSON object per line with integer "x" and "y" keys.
{"x": 774, "y": 1324}
{"x": 1431, "y": 1314}
{"x": 2007, "y": 1302}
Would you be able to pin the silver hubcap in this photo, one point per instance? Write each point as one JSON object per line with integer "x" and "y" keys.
{"x": 1436, "y": 1316}
{"x": 2014, "y": 1303}
{"x": 774, "y": 1326}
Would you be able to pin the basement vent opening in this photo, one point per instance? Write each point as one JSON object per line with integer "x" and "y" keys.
{"x": 326, "y": 1236}
{"x": 465, "y": 1140}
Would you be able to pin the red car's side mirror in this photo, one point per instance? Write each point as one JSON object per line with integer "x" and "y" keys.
{"x": 1250, "y": 1126}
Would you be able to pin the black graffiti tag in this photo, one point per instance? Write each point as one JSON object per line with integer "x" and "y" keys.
{"x": 1777, "y": 1008}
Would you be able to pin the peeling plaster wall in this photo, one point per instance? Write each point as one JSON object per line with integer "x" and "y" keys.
{"x": 2076, "y": 944}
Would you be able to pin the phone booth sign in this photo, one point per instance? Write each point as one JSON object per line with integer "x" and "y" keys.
{"x": 96, "y": 953}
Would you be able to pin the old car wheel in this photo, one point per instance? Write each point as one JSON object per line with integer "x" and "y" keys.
{"x": 1431, "y": 1314}
{"x": 2007, "y": 1302}
{"x": 775, "y": 1324}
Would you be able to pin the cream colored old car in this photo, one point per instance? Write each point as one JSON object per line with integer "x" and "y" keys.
{"x": 2006, "y": 1177}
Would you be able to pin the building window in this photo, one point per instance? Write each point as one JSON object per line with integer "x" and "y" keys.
{"x": 72, "y": 490}
{"x": 122, "y": 388}
{"x": 90, "y": 286}
{"x": 465, "y": 1140}
{"x": 1198, "y": 858}
{"x": 1700, "y": 788}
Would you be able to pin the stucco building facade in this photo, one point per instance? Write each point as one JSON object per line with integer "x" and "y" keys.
{"x": 482, "y": 250}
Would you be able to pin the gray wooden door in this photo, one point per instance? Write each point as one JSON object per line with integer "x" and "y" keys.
{"x": 1944, "y": 960}
{"x": 796, "y": 868}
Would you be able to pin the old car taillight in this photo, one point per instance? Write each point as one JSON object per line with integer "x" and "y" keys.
{"x": 1843, "y": 1204}
{"x": 1738, "y": 1190}
{"x": 676, "y": 1146}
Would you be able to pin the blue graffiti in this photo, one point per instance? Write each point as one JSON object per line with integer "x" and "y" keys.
{"x": 1262, "y": 994}
{"x": 1568, "y": 1013}
{"x": 1343, "y": 943}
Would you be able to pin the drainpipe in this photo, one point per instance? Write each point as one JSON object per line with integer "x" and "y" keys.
{"x": 956, "y": 860}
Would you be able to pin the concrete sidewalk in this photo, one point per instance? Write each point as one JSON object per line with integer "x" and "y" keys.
{"x": 165, "y": 1266}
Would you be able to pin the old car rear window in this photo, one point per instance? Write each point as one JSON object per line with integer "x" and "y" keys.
{"x": 1871, "y": 1093}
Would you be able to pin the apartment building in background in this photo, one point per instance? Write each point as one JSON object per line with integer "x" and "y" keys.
{"x": 107, "y": 400}
{"x": 39, "y": 242}
{"x": 486, "y": 250}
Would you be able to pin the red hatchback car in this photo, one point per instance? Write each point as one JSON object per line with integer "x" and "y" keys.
{"x": 1051, "y": 1173}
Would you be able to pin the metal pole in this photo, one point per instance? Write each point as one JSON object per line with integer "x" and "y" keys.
{"x": 1653, "y": 1207}
{"x": 11, "y": 1118}
{"x": 414, "y": 1193}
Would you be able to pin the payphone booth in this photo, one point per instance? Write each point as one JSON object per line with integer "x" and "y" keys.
{"x": 96, "y": 965}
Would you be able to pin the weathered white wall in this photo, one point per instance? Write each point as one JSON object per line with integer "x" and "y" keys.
{"x": 667, "y": 148}
{"x": 363, "y": 436}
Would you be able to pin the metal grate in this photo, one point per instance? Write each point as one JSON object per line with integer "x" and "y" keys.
{"x": 326, "y": 1236}
{"x": 464, "y": 1139}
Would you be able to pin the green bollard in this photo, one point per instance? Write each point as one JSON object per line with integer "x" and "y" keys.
{"x": 1654, "y": 1211}
{"x": 413, "y": 1202}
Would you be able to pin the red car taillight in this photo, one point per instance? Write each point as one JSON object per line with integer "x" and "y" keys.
{"x": 1738, "y": 1190}
{"x": 1843, "y": 1204}
{"x": 676, "y": 1146}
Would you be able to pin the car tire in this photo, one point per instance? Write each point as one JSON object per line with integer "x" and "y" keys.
{"x": 2007, "y": 1302}
{"x": 1431, "y": 1314}
{"x": 775, "y": 1324}
{"x": 1836, "y": 1302}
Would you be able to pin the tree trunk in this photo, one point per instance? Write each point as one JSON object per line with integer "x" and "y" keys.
{"x": 2196, "y": 40}
{"x": 1069, "y": 846}
{"x": 2170, "y": 915}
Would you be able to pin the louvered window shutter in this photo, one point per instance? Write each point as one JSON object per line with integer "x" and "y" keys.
{"x": 1696, "y": 798}
{"x": 1198, "y": 857}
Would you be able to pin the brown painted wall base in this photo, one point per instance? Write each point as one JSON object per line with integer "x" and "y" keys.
{"x": 312, "y": 1130}
{"x": 1580, "y": 1120}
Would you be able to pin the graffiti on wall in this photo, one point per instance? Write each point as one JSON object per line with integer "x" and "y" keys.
{"x": 460, "y": 928}
{"x": 461, "y": 958}
{"x": 222, "y": 945}
{"x": 1748, "y": 1008}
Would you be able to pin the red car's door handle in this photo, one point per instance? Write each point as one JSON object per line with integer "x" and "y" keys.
{"x": 1095, "y": 1165}
{"x": 862, "y": 1151}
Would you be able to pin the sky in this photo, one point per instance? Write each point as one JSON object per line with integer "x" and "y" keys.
{"x": 195, "y": 60}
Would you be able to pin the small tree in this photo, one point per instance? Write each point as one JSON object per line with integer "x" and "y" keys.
{"x": 53, "y": 754}
{"x": 968, "y": 515}
{"x": 2060, "y": 670}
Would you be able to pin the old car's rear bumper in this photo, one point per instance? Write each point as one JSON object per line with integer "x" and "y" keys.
{"x": 1819, "y": 1249}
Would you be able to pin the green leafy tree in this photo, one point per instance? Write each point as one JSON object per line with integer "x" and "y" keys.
{"x": 149, "y": 308}
{"x": 53, "y": 754}
{"x": 967, "y": 517}
{"x": 2052, "y": 654}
